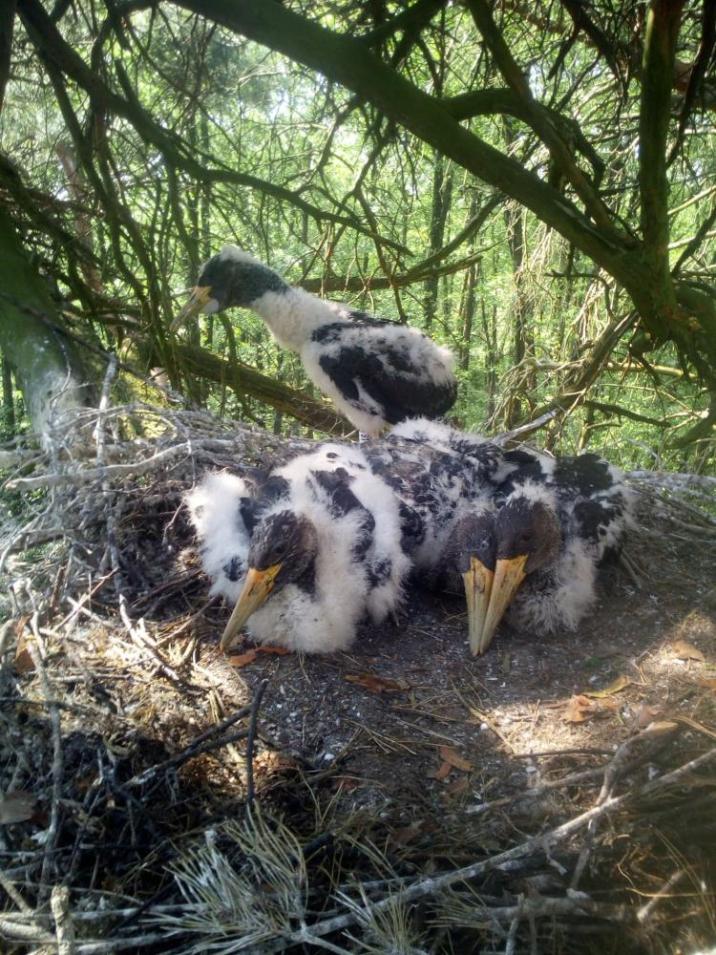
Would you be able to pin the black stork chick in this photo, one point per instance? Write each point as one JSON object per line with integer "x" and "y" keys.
{"x": 304, "y": 562}
{"x": 520, "y": 533}
{"x": 376, "y": 372}
{"x": 533, "y": 556}
{"x": 437, "y": 474}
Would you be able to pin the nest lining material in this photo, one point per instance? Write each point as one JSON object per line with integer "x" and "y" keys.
{"x": 124, "y": 774}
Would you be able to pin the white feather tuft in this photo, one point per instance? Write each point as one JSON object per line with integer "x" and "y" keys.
{"x": 214, "y": 511}
{"x": 235, "y": 254}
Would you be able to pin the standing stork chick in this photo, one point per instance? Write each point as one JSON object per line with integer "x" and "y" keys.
{"x": 376, "y": 372}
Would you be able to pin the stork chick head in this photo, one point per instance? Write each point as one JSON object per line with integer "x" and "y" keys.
{"x": 283, "y": 550}
{"x": 494, "y": 551}
{"x": 231, "y": 277}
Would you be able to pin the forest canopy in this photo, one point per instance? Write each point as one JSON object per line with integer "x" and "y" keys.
{"x": 532, "y": 184}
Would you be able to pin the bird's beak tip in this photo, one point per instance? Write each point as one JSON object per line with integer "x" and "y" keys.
{"x": 198, "y": 298}
{"x": 478, "y": 587}
{"x": 509, "y": 574}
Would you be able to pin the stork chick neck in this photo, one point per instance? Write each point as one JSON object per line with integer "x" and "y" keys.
{"x": 293, "y": 315}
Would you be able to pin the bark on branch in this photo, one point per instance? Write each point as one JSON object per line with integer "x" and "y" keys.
{"x": 54, "y": 48}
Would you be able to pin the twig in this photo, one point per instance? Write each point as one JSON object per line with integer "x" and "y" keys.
{"x": 79, "y": 604}
{"x": 140, "y": 639}
{"x": 87, "y": 475}
{"x": 6, "y": 632}
{"x": 644, "y": 913}
{"x": 630, "y": 754}
{"x": 99, "y": 432}
{"x": 19, "y": 930}
{"x": 514, "y": 927}
{"x": 545, "y": 907}
{"x": 203, "y": 743}
{"x": 528, "y": 428}
{"x": 251, "y": 736}
{"x": 431, "y": 885}
{"x": 13, "y": 893}
{"x": 36, "y": 649}
{"x": 572, "y": 779}
{"x": 64, "y": 928}
{"x": 138, "y": 943}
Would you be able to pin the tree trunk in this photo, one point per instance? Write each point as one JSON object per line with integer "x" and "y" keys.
{"x": 442, "y": 195}
{"x": 8, "y": 402}
{"x": 45, "y": 360}
{"x": 468, "y": 316}
{"x": 7, "y": 21}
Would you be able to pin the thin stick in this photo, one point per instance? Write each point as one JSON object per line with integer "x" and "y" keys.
{"x": 36, "y": 652}
{"x": 255, "y": 704}
{"x": 514, "y": 928}
{"x": 630, "y": 754}
{"x": 87, "y": 475}
{"x": 141, "y": 640}
{"x": 28, "y": 933}
{"x": 64, "y": 928}
{"x": 431, "y": 885}
{"x": 79, "y": 604}
{"x": 644, "y": 913}
{"x": 13, "y": 893}
{"x": 99, "y": 432}
{"x": 201, "y": 744}
{"x": 528, "y": 428}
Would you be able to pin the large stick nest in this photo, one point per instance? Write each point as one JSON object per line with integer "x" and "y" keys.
{"x": 556, "y": 795}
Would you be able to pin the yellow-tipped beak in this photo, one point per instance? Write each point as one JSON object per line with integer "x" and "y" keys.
{"x": 509, "y": 574}
{"x": 200, "y": 296}
{"x": 478, "y": 587}
{"x": 257, "y": 587}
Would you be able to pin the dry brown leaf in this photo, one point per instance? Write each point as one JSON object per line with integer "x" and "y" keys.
{"x": 376, "y": 684}
{"x": 16, "y": 807}
{"x": 443, "y": 771}
{"x": 243, "y": 659}
{"x": 615, "y": 686}
{"x": 20, "y": 623}
{"x": 687, "y": 651}
{"x": 346, "y": 784}
{"x": 709, "y": 682}
{"x": 579, "y": 709}
{"x": 645, "y": 716}
{"x": 23, "y": 662}
{"x": 406, "y": 834}
{"x": 451, "y": 756}
{"x": 457, "y": 787}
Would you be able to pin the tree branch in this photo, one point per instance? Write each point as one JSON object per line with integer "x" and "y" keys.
{"x": 347, "y": 61}
{"x": 492, "y": 102}
{"x": 662, "y": 28}
{"x": 539, "y": 120}
{"x": 50, "y": 41}
{"x": 7, "y": 20}
{"x": 245, "y": 380}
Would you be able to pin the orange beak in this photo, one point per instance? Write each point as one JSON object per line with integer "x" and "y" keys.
{"x": 509, "y": 574}
{"x": 478, "y": 587}
{"x": 257, "y": 587}
{"x": 200, "y": 296}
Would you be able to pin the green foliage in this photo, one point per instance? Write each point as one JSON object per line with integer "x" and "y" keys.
{"x": 282, "y": 161}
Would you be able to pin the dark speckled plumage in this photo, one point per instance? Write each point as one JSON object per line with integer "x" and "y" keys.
{"x": 377, "y": 372}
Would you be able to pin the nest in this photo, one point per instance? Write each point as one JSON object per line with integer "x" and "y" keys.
{"x": 158, "y": 796}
